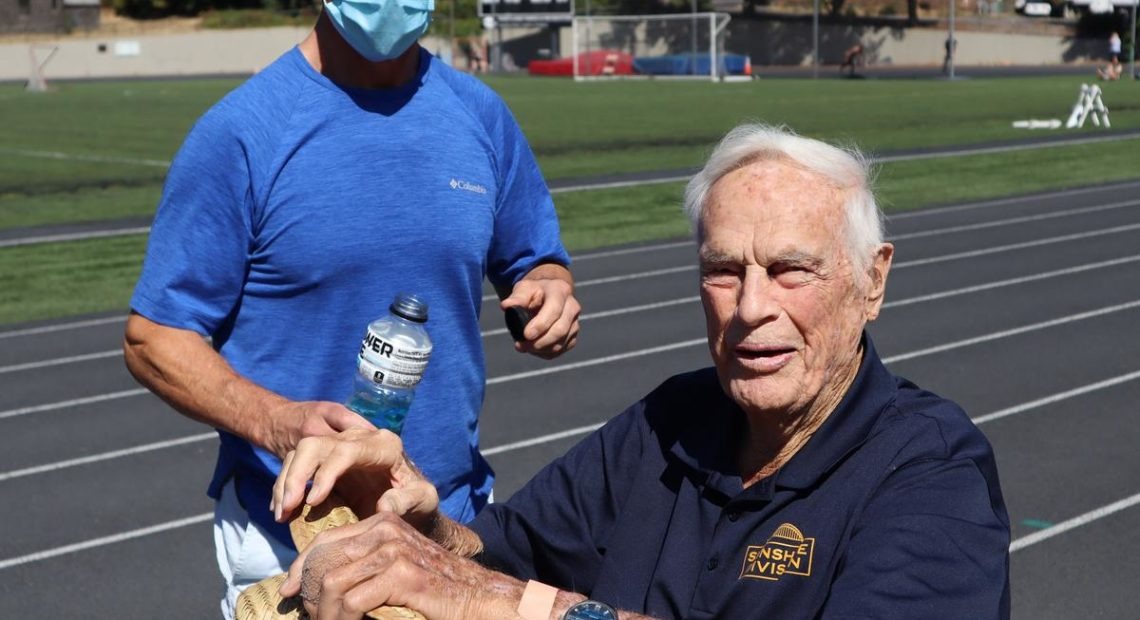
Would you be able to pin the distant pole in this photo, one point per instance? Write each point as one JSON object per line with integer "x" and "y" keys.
{"x": 815, "y": 40}
{"x": 693, "y": 29}
{"x": 1132, "y": 54}
{"x": 952, "y": 45}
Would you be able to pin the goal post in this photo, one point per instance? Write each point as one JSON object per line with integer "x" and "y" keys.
{"x": 39, "y": 55}
{"x": 682, "y": 46}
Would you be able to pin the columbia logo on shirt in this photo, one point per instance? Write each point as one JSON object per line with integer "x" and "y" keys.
{"x": 786, "y": 552}
{"x": 469, "y": 187}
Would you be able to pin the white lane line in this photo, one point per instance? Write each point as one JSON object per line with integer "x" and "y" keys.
{"x": 75, "y": 402}
{"x": 103, "y": 159}
{"x": 617, "y": 311}
{"x": 693, "y": 299}
{"x": 535, "y": 441}
{"x": 60, "y": 361}
{"x": 79, "y": 236}
{"x": 1008, "y": 148}
{"x": 620, "y": 311}
{"x": 594, "y": 362}
{"x": 906, "y": 215}
{"x": 106, "y": 540}
{"x": 1018, "y": 544}
{"x": 924, "y": 261}
{"x": 1015, "y": 246}
{"x": 622, "y": 278}
{"x": 673, "y": 302}
{"x": 587, "y": 187}
{"x": 47, "y": 329}
{"x": 1014, "y": 220}
{"x": 1012, "y": 281}
{"x": 105, "y": 456}
{"x": 1075, "y": 522}
{"x": 1058, "y": 397}
{"x": 1015, "y": 331}
{"x": 885, "y": 159}
{"x": 577, "y": 258}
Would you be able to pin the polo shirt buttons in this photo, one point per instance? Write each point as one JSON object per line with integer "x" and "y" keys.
{"x": 713, "y": 562}
{"x": 733, "y": 516}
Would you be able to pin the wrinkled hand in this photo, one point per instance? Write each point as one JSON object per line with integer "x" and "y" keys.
{"x": 553, "y": 327}
{"x": 291, "y": 422}
{"x": 353, "y": 569}
{"x": 367, "y": 468}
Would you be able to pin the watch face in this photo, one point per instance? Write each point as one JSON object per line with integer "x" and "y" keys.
{"x": 590, "y": 610}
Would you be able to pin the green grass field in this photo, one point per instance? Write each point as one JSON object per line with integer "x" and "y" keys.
{"x": 95, "y": 151}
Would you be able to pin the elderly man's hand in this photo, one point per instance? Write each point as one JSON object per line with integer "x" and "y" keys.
{"x": 382, "y": 560}
{"x": 547, "y": 293}
{"x": 369, "y": 470}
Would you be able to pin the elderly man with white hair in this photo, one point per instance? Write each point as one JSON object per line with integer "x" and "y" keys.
{"x": 797, "y": 478}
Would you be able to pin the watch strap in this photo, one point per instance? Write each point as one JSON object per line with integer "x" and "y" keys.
{"x": 537, "y": 601}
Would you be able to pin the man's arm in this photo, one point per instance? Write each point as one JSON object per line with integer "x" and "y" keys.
{"x": 547, "y": 294}
{"x": 184, "y": 370}
{"x": 383, "y": 560}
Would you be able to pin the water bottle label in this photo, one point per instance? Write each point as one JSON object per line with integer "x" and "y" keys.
{"x": 387, "y": 377}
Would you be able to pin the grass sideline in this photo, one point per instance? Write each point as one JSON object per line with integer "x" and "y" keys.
{"x": 625, "y": 127}
{"x": 574, "y": 129}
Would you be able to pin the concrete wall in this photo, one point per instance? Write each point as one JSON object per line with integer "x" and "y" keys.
{"x": 766, "y": 42}
{"x": 239, "y": 52}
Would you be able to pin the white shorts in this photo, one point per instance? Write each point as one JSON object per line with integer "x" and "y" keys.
{"x": 246, "y": 552}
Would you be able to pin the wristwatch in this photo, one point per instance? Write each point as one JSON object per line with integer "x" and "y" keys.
{"x": 590, "y": 610}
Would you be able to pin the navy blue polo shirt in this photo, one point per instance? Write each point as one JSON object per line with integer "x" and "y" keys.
{"x": 891, "y": 510}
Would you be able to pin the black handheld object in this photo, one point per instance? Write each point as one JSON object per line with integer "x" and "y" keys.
{"x": 517, "y": 318}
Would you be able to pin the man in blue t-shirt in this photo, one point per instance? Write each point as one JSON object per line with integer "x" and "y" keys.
{"x": 353, "y": 168}
{"x": 796, "y": 478}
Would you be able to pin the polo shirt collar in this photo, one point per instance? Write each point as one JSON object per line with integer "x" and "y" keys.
{"x": 706, "y": 445}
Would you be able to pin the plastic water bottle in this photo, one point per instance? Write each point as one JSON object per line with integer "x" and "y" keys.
{"x": 392, "y": 360}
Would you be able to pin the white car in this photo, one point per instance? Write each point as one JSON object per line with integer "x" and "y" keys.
{"x": 1034, "y": 8}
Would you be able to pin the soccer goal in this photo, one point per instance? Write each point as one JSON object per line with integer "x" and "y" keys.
{"x": 39, "y": 55}
{"x": 683, "y": 46}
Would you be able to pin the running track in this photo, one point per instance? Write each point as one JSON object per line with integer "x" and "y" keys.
{"x": 1023, "y": 310}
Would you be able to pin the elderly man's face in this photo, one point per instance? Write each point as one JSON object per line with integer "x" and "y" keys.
{"x": 783, "y": 305}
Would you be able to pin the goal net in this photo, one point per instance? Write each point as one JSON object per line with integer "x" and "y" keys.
{"x": 690, "y": 45}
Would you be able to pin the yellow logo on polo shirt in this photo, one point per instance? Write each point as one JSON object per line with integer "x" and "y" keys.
{"x": 786, "y": 552}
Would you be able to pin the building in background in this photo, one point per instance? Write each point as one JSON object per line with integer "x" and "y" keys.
{"x": 48, "y": 16}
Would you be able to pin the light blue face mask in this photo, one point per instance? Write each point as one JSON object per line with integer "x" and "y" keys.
{"x": 380, "y": 29}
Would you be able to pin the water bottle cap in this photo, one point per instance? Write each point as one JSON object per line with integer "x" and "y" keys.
{"x": 410, "y": 307}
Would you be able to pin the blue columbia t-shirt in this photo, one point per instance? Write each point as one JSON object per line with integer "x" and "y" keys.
{"x": 297, "y": 209}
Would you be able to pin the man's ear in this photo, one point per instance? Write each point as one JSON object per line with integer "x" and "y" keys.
{"x": 877, "y": 275}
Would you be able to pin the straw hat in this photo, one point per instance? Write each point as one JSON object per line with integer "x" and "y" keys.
{"x": 261, "y": 600}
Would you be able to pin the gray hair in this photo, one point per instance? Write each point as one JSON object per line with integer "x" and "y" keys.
{"x": 847, "y": 168}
